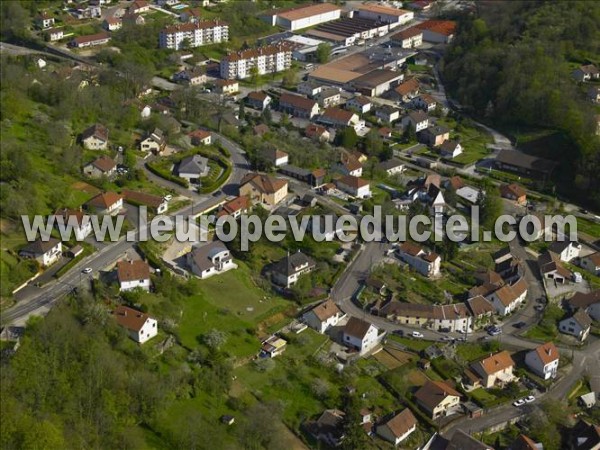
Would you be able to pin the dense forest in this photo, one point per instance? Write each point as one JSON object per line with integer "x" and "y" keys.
{"x": 511, "y": 64}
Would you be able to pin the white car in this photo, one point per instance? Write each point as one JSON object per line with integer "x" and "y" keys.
{"x": 417, "y": 334}
{"x": 168, "y": 198}
{"x": 529, "y": 399}
{"x": 519, "y": 402}
{"x": 87, "y": 270}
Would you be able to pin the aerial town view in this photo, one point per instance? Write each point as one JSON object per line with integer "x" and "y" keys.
{"x": 300, "y": 224}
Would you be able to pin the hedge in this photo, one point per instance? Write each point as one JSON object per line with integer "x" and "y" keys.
{"x": 167, "y": 175}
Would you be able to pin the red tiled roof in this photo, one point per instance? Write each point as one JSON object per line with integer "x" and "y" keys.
{"x": 130, "y": 318}
{"x": 445, "y": 27}
{"x": 104, "y": 200}
{"x": 133, "y": 270}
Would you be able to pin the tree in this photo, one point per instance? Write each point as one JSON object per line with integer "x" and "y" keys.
{"x": 347, "y": 138}
{"x": 290, "y": 78}
{"x": 355, "y": 436}
{"x": 323, "y": 52}
{"x": 241, "y": 111}
{"x": 373, "y": 143}
{"x": 215, "y": 339}
{"x": 267, "y": 116}
{"x": 490, "y": 204}
{"x": 254, "y": 76}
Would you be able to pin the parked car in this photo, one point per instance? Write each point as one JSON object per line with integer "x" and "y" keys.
{"x": 168, "y": 197}
{"x": 519, "y": 324}
{"x": 398, "y": 332}
{"x": 519, "y": 402}
{"x": 494, "y": 331}
{"x": 529, "y": 399}
{"x": 417, "y": 334}
{"x": 87, "y": 270}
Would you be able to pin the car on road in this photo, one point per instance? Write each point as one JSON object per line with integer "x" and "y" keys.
{"x": 417, "y": 334}
{"x": 519, "y": 325}
{"x": 87, "y": 270}
{"x": 528, "y": 399}
{"x": 519, "y": 402}
{"x": 217, "y": 193}
{"x": 494, "y": 331}
{"x": 447, "y": 338}
{"x": 539, "y": 307}
{"x": 398, "y": 332}
{"x": 168, "y": 197}
{"x": 584, "y": 211}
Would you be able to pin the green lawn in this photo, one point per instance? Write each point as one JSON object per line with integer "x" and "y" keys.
{"x": 588, "y": 227}
{"x": 473, "y": 141}
{"x": 471, "y": 351}
{"x": 547, "y": 329}
{"x": 231, "y": 303}
{"x": 484, "y": 398}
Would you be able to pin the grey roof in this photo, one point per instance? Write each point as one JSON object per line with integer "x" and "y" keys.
{"x": 193, "y": 164}
{"x": 390, "y": 164}
{"x": 462, "y": 441}
{"x": 203, "y": 255}
{"x": 291, "y": 263}
{"x": 39, "y": 247}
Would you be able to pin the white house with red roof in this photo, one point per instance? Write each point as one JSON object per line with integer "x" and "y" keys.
{"x": 323, "y": 316}
{"x": 543, "y": 360}
{"x": 140, "y": 326}
{"x": 133, "y": 275}
{"x": 355, "y": 186}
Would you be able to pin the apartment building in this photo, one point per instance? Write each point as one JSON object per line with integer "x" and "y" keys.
{"x": 267, "y": 59}
{"x": 194, "y": 34}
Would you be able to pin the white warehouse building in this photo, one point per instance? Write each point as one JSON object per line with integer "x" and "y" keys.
{"x": 393, "y": 16}
{"x": 303, "y": 16}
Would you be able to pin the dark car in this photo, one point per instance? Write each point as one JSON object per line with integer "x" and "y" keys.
{"x": 398, "y": 332}
{"x": 519, "y": 325}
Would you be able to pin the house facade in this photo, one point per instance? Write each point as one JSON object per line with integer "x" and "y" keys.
{"x": 494, "y": 370}
{"x": 543, "y": 360}
{"x": 578, "y": 325}
{"x": 591, "y": 263}
{"x": 45, "y": 253}
{"x": 323, "y": 316}
{"x": 211, "y": 259}
{"x": 298, "y": 106}
{"x": 263, "y": 189}
{"x": 140, "y": 326}
{"x": 194, "y": 34}
{"x": 427, "y": 264}
{"x": 288, "y": 270}
{"x": 266, "y": 59}
{"x": 101, "y": 167}
{"x": 438, "y": 399}
{"x": 354, "y": 186}
{"x": 95, "y": 137}
{"x": 106, "y": 203}
{"x": 133, "y": 275}
{"x": 398, "y": 428}
{"x": 360, "y": 335}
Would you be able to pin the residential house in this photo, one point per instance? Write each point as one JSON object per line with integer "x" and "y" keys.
{"x": 355, "y": 186}
{"x": 591, "y": 263}
{"x": 525, "y": 443}
{"x": 131, "y": 18}
{"x": 360, "y": 104}
{"x": 398, "y": 428}
{"x": 450, "y": 149}
{"x": 140, "y": 326}
{"x": 496, "y": 369}
{"x": 481, "y": 308}
{"x": 417, "y": 120}
{"x": 586, "y": 72}
{"x": 154, "y": 203}
{"x": 235, "y": 207}
{"x": 298, "y": 106}
{"x": 139, "y": 6}
{"x": 263, "y": 189}
{"x": 409, "y": 38}
{"x": 272, "y": 347}
{"x": 91, "y": 40}
{"x": 55, "y": 34}
{"x": 75, "y": 218}
{"x": 312, "y": 177}
{"x": 349, "y": 165}
{"x": 551, "y": 268}
{"x": 424, "y": 102}
{"x": 565, "y": 250}
{"x": 260, "y": 130}
{"x": 360, "y": 335}
{"x": 227, "y": 87}
{"x": 275, "y": 157}
{"x": 578, "y": 325}
{"x": 434, "y": 136}
{"x": 387, "y": 114}
{"x": 45, "y": 252}
{"x": 391, "y": 166}
{"x": 407, "y": 90}
{"x": 438, "y": 31}
{"x": 438, "y": 399}
{"x": 323, "y": 316}
{"x": 288, "y": 270}
{"x": 193, "y": 167}
{"x": 594, "y": 94}
{"x": 339, "y": 118}
{"x": 95, "y": 137}
{"x": 154, "y": 142}
{"x": 428, "y": 191}
{"x": 258, "y": 100}
{"x": 543, "y": 360}
{"x": 44, "y": 20}
{"x": 107, "y": 203}
{"x": 384, "y": 133}
{"x": 508, "y": 298}
{"x": 112, "y": 24}
{"x": 210, "y": 259}
{"x": 88, "y": 12}
{"x": 584, "y": 436}
{"x": 133, "y": 275}
{"x": 328, "y": 97}
{"x": 328, "y": 428}
{"x": 452, "y": 318}
{"x": 427, "y": 264}
{"x": 191, "y": 77}
{"x": 101, "y": 167}
{"x": 460, "y": 441}
{"x": 200, "y": 137}
{"x": 589, "y": 302}
{"x": 514, "y": 192}
{"x": 317, "y": 132}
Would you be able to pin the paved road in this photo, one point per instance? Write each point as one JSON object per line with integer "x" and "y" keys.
{"x": 41, "y": 299}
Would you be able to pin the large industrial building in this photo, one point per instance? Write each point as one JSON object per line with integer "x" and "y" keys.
{"x": 349, "y": 31}
{"x": 194, "y": 34}
{"x": 267, "y": 59}
{"x": 385, "y": 14}
{"x": 303, "y": 16}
